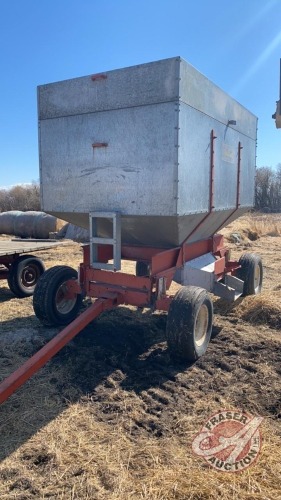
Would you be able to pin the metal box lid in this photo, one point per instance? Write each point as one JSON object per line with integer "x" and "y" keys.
{"x": 167, "y": 80}
{"x": 117, "y": 89}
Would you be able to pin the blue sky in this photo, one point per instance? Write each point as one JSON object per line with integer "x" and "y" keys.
{"x": 235, "y": 43}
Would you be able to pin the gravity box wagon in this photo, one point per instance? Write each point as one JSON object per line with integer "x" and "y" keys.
{"x": 154, "y": 159}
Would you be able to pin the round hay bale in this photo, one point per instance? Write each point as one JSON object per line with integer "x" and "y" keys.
{"x": 30, "y": 224}
{"x": 7, "y": 221}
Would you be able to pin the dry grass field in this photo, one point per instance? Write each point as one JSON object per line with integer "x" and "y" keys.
{"x": 112, "y": 417}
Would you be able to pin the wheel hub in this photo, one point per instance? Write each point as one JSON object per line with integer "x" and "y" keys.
{"x": 64, "y": 304}
{"x": 257, "y": 278}
{"x": 201, "y": 325}
{"x": 29, "y": 277}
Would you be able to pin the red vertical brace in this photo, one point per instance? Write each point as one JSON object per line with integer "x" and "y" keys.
{"x": 238, "y": 175}
{"x": 212, "y": 182}
{"x": 213, "y": 137}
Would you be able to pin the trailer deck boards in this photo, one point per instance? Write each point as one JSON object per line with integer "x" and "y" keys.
{"x": 16, "y": 246}
{"x": 19, "y": 267}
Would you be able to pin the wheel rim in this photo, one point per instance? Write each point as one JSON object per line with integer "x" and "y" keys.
{"x": 201, "y": 325}
{"x": 30, "y": 276}
{"x": 257, "y": 278}
{"x": 63, "y": 303}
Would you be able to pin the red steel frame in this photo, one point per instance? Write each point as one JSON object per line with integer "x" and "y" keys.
{"x": 147, "y": 291}
{"x": 111, "y": 288}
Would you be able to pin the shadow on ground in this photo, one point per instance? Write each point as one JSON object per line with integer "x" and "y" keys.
{"x": 124, "y": 340}
{"x": 5, "y": 295}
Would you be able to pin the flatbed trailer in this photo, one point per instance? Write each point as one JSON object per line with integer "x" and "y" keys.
{"x": 19, "y": 267}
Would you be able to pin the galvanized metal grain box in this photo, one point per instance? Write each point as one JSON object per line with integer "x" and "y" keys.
{"x": 158, "y": 143}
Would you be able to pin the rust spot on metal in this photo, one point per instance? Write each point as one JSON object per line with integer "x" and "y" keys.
{"x": 98, "y": 76}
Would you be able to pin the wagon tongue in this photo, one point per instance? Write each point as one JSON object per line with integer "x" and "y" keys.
{"x": 9, "y": 385}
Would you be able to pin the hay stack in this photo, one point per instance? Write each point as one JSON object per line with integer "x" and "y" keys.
{"x": 263, "y": 309}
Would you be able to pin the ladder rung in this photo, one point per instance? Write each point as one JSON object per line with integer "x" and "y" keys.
{"x": 102, "y": 241}
{"x": 114, "y": 241}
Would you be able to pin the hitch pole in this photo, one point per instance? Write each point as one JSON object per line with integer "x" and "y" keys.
{"x": 9, "y": 385}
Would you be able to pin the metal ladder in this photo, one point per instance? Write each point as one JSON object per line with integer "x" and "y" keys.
{"x": 114, "y": 241}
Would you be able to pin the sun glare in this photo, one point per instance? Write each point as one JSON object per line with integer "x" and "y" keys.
{"x": 273, "y": 44}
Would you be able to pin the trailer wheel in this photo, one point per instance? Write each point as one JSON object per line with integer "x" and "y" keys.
{"x": 142, "y": 268}
{"x": 251, "y": 272}
{"x": 51, "y": 304}
{"x": 189, "y": 323}
{"x": 23, "y": 275}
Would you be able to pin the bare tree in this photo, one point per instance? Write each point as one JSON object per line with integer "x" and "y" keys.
{"x": 21, "y": 198}
{"x": 268, "y": 189}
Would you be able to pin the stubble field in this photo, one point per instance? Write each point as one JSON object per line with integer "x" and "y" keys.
{"x": 113, "y": 417}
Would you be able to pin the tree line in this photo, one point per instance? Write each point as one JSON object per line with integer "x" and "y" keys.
{"x": 268, "y": 189}
{"x": 21, "y": 197}
{"x": 267, "y": 193}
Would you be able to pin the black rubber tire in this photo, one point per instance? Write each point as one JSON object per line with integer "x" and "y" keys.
{"x": 45, "y": 297}
{"x": 142, "y": 268}
{"x": 183, "y": 321}
{"x": 251, "y": 272}
{"x": 23, "y": 275}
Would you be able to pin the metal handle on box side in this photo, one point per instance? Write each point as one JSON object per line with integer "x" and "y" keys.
{"x": 100, "y": 145}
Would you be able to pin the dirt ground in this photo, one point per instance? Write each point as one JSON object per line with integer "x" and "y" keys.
{"x": 113, "y": 417}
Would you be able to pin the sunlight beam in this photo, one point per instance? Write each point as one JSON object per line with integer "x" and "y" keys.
{"x": 257, "y": 64}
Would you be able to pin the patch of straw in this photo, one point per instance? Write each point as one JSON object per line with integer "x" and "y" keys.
{"x": 263, "y": 309}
